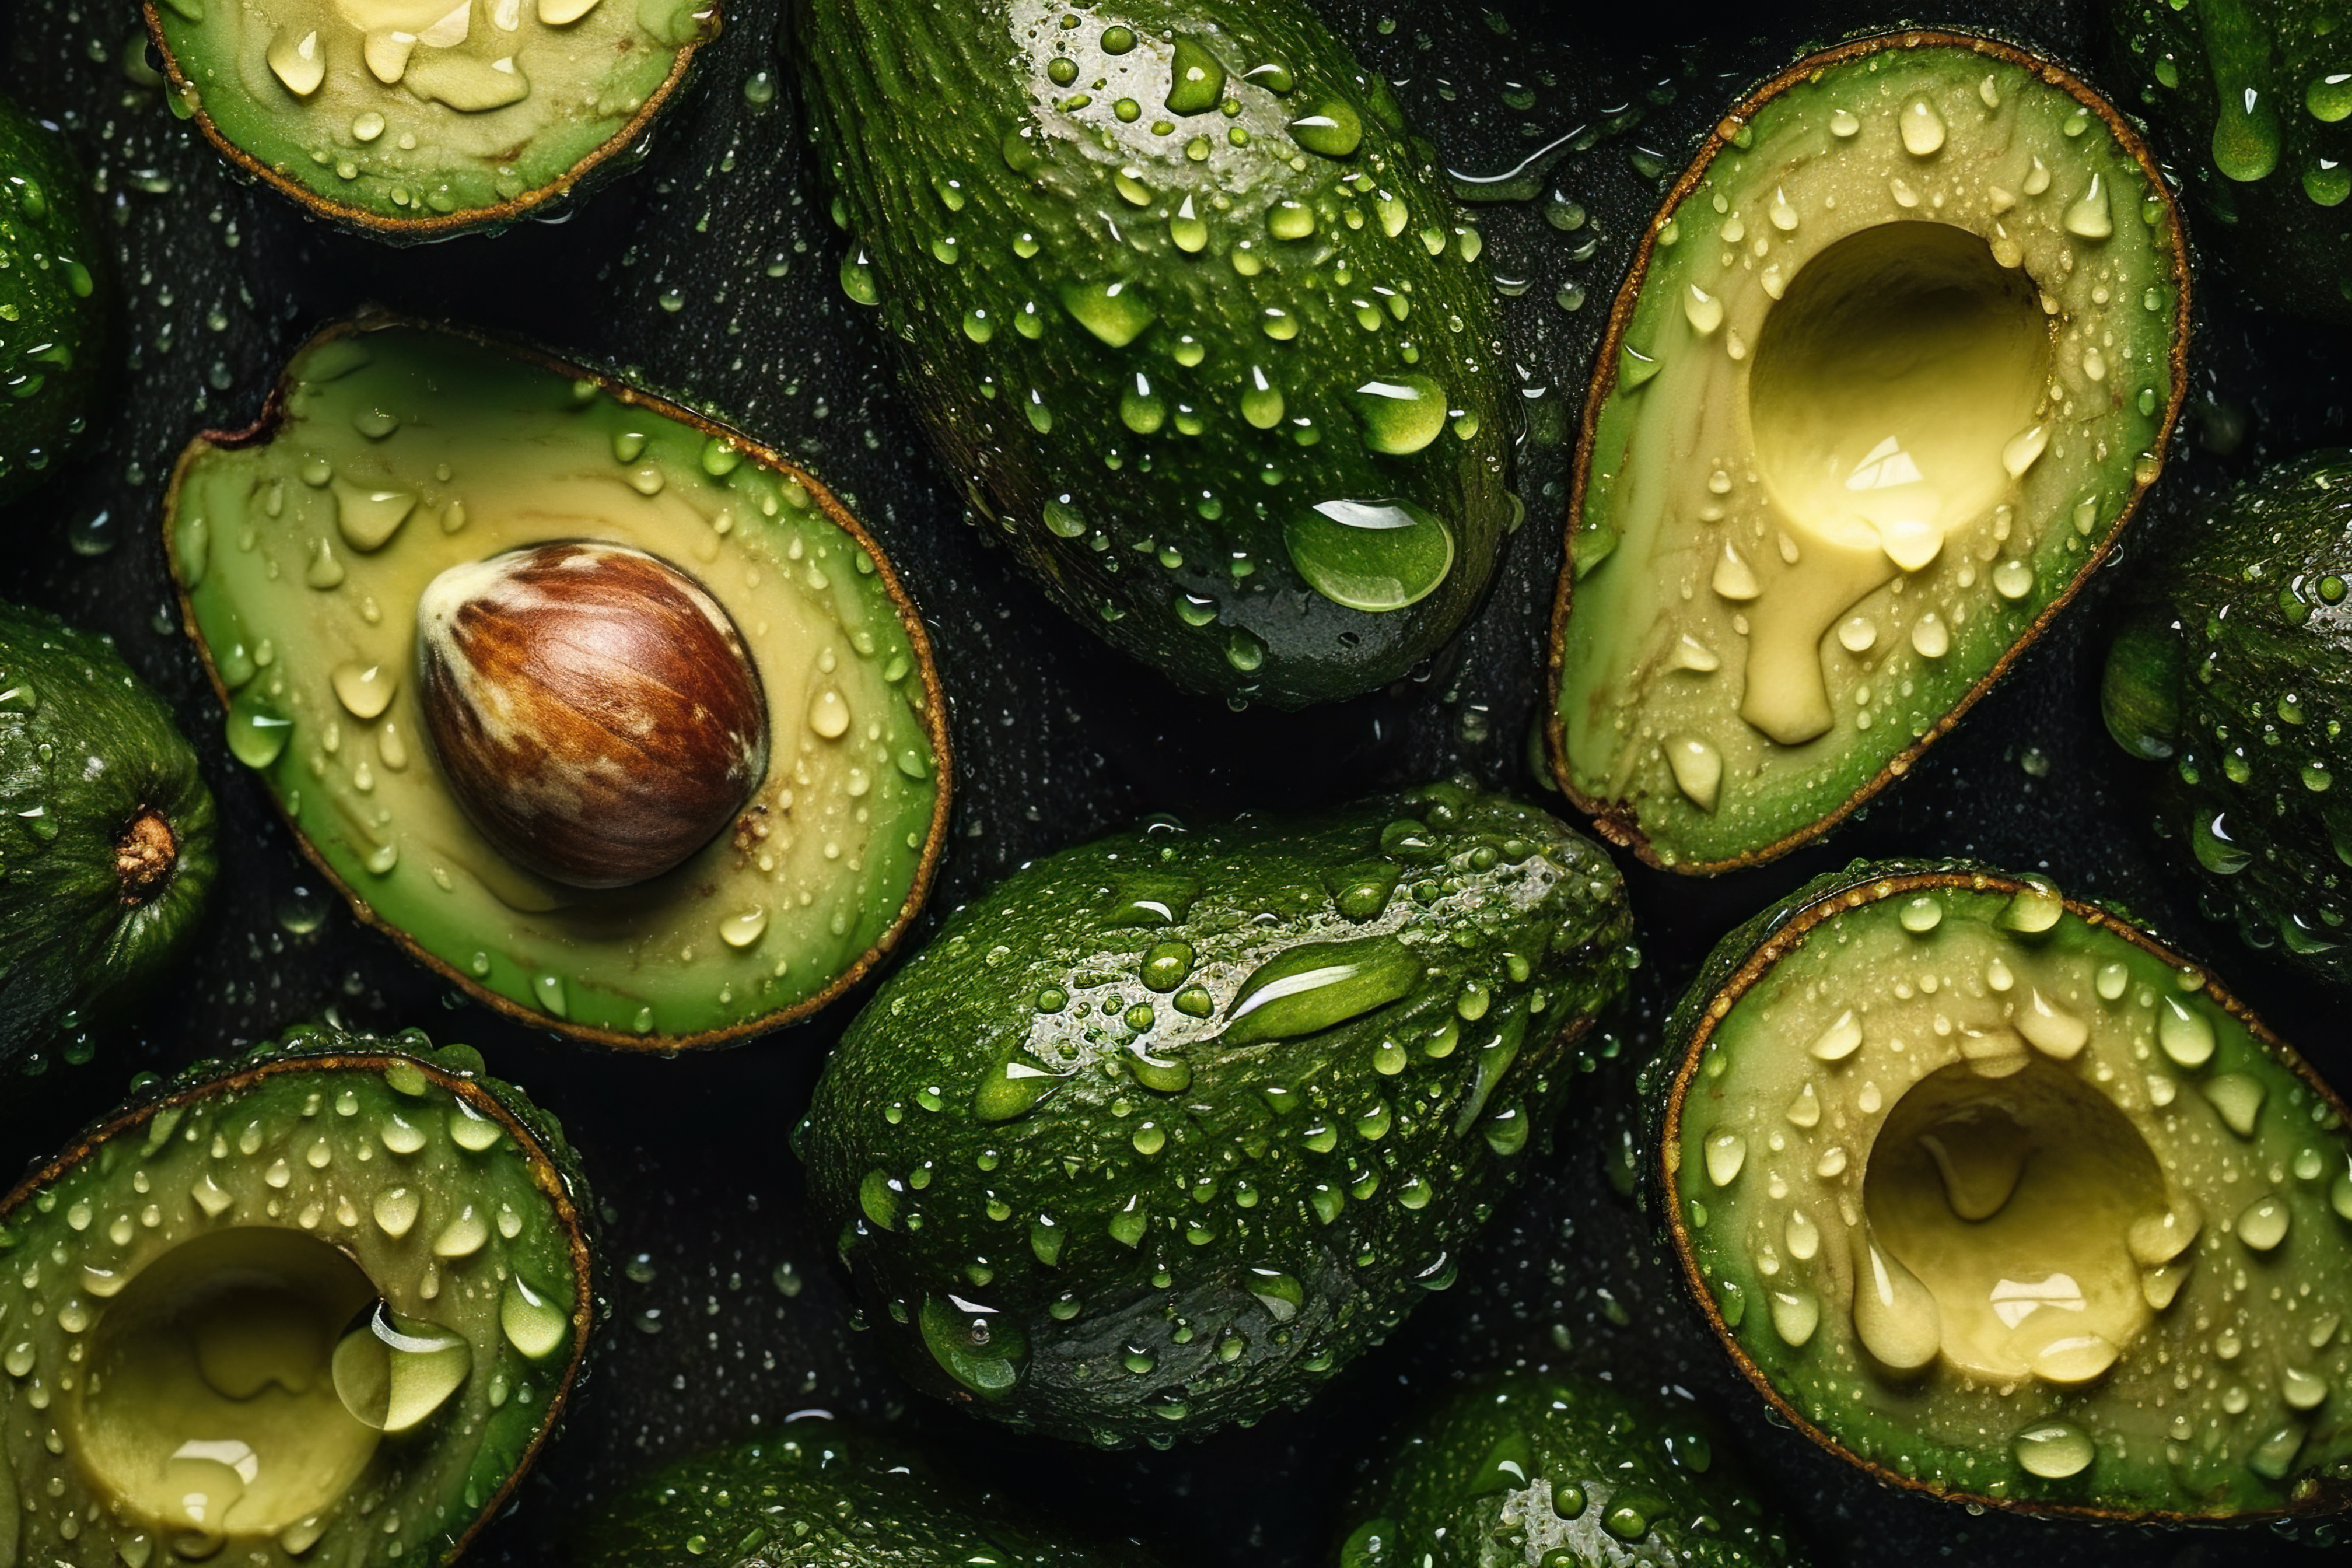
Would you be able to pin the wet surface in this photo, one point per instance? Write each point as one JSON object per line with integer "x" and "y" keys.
{"x": 711, "y": 274}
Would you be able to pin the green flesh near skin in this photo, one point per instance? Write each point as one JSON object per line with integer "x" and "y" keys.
{"x": 107, "y": 845}
{"x": 821, "y": 1497}
{"x": 322, "y": 1307}
{"x": 2003, "y": 1201}
{"x": 414, "y": 118}
{"x": 1898, "y": 361}
{"x": 54, "y": 311}
{"x": 2235, "y": 671}
{"x": 1525, "y": 1471}
{"x": 1172, "y": 1125}
{"x": 301, "y": 550}
{"x": 1187, "y": 313}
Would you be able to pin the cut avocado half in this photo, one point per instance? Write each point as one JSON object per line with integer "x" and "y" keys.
{"x": 321, "y": 1305}
{"x": 411, "y": 119}
{"x": 2233, "y": 667}
{"x": 1994, "y": 1196}
{"x": 1534, "y": 1471}
{"x": 825, "y": 1496}
{"x": 390, "y": 453}
{"x": 1895, "y": 361}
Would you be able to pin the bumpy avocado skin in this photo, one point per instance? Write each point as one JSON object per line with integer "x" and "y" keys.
{"x": 1533, "y": 1471}
{"x": 2236, "y": 666}
{"x": 2250, "y": 98}
{"x": 107, "y": 851}
{"x": 408, "y": 1169}
{"x": 1170, "y": 1126}
{"x": 822, "y": 1497}
{"x": 1202, "y": 348}
{"x": 2222, "y": 1097}
{"x": 55, "y": 310}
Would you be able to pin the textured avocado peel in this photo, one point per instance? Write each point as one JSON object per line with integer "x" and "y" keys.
{"x": 56, "y": 303}
{"x": 1170, "y": 1127}
{"x": 1533, "y": 1471}
{"x": 1190, "y": 316}
{"x": 390, "y": 452}
{"x": 415, "y": 120}
{"x": 1896, "y": 358}
{"x": 332, "y": 1293}
{"x": 1992, "y": 1195}
{"x": 2229, "y": 669}
{"x": 108, "y": 858}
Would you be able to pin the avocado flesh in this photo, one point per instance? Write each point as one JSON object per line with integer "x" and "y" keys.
{"x": 2232, "y": 668}
{"x": 389, "y": 454}
{"x": 1551, "y": 1471}
{"x": 2249, "y": 98}
{"x": 414, "y": 118}
{"x": 1216, "y": 353}
{"x": 822, "y": 1496}
{"x": 1169, "y": 1126}
{"x": 54, "y": 311}
{"x": 1898, "y": 359}
{"x": 108, "y": 847}
{"x": 322, "y": 1305}
{"x": 2001, "y": 1200}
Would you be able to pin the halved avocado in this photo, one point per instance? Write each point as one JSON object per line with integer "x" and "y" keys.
{"x": 322, "y": 1305}
{"x": 410, "y": 120}
{"x": 1995, "y": 1195}
{"x": 1895, "y": 361}
{"x": 390, "y": 453}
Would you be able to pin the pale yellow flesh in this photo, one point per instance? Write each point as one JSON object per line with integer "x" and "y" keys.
{"x": 1891, "y": 375}
{"x": 1949, "y": 1186}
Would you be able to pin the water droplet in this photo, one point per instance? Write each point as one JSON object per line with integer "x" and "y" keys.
{"x": 1930, "y": 638}
{"x": 1702, "y": 310}
{"x": 1011, "y": 1089}
{"x": 2021, "y": 451}
{"x": 1734, "y": 578}
{"x": 975, "y": 1345}
{"x": 2013, "y": 579}
{"x": 2050, "y": 1029}
{"x": 2088, "y": 218}
{"x": 364, "y": 691}
{"x": 828, "y": 713}
{"x": 2238, "y": 1099}
{"x": 2185, "y": 1036}
{"x": 1922, "y": 129}
{"x": 1196, "y": 82}
{"x": 1697, "y": 768}
{"x": 1894, "y": 1315}
{"x": 1318, "y": 985}
{"x": 1795, "y": 1315}
{"x": 1839, "y": 1040}
{"x": 2246, "y": 132}
{"x": 1329, "y": 128}
{"x": 1115, "y": 312}
{"x": 744, "y": 928}
{"x": 2264, "y": 1225}
{"x": 392, "y": 1372}
{"x": 2054, "y": 1449}
{"x": 257, "y": 732}
{"x": 1370, "y": 555}
{"x": 1400, "y": 416}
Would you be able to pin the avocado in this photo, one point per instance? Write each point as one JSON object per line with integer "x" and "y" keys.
{"x": 2248, "y": 98}
{"x": 107, "y": 851}
{"x": 1995, "y": 1195}
{"x": 415, "y": 120}
{"x": 1187, "y": 312}
{"x": 319, "y": 1305}
{"x": 2233, "y": 664}
{"x": 389, "y": 454}
{"x": 823, "y": 1495}
{"x": 1894, "y": 362}
{"x": 56, "y": 305}
{"x": 1170, "y": 1126}
{"x": 1561, "y": 1472}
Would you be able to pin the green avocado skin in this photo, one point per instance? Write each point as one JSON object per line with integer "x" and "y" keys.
{"x": 54, "y": 315}
{"x": 2250, "y": 99}
{"x": 85, "y": 750}
{"x": 2236, "y": 666}
{"x": 818, "y": 1496}
{"x": 1529, "y": 1470}
{"x": 1171, "y": 1125}
{"x": 1199, "y": 372}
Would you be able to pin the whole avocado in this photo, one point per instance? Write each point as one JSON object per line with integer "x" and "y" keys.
{"x": 1190, "y": 316}
{"x": 2234, "y": 668}
{"x": 54, "y": 314}
{"x": 1170, "y": 1126}
{"x": 106, "y": 831}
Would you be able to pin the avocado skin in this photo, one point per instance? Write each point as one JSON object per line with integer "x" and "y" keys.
{"x": 90, "y": 751}
{"x": 1221, "y": 1243}
{"x": 909, "y": 100}
{"x": 819, "y": 1495}
{"x": 1590, "y": 1459}
{"x": 2235, "y": 640}
{"x": 59, "y": 312}
{"x": 2290, "y": 238}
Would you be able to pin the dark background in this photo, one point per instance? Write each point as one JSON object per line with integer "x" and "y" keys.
{"x": 711, "y": 274}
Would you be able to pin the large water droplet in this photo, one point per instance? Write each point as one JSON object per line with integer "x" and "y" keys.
{"x": 1371, "y": 555}
{"x": 2054, "y": 1449}
{"x": 392, "y": 1372}
{"x": 975, "y": 1345}
{"x": 1317, "y": 986}
{"x": 1401, "y": 415}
